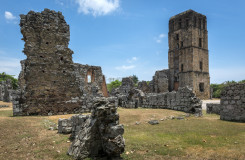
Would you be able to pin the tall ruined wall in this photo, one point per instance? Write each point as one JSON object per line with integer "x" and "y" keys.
{"x": 50, "y": 83}
{"x": 47, "y": 79}
{"x": 233, "y": 103}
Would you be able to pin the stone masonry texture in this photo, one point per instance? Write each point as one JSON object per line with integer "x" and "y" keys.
{"x": 100, "y": 135}
{"x": 50, "y": 83}
{"x": 233, "y": 103}
{"x": 213, "y": 108}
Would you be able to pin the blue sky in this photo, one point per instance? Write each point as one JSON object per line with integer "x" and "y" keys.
{"x": 127, "y": 37}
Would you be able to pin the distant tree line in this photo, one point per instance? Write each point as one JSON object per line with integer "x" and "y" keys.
{"x": 217, "y": 88}
{"x": 4, "y": 77}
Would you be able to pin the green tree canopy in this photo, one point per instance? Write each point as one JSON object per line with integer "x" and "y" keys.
{"x": 4, "y": 77}
{"x": 113, "y": 84}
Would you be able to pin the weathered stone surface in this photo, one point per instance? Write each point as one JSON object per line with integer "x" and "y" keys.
{"x": 127, "y": 85}
{"x": 213, "y": 108}
{"x": 159, "y": 83}
{"x": 100, "y": 136}
{"x": 50, "y": 83}
{"x": 233, "y": 103}
{"x": 182, "y": 100}
{"x": 6, "y": 90}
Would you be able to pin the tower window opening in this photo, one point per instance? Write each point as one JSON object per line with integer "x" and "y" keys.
{"x": 200, "y": 42}
{"x": 177, "y": 46}
{"x": 201, "y": 87}
{"x": 200, "y": 23}
{"x": 187, "y": 22}
{"x": 182, "y": 44}
{"x": 180, "y": 23}
{"x": 195, "y": 21}
{"x": 182, "y": 67}
{"x": 177, "y": 36}
{"x": 201, "y": 65}
{"x": 204, "y": 24}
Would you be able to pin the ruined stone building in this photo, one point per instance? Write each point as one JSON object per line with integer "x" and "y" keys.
{"x": 188, "y": 57}
{"x": 6, "y": 90}
{"x": 50, "y": 83}
{"x": 188, "y": 53}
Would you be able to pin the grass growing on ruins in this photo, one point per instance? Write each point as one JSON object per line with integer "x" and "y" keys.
{"x": 191, "y": 138}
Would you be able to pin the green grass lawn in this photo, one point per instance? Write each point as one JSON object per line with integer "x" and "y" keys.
{"x": 204, "y": 137}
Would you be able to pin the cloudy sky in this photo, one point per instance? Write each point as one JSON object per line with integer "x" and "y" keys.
{"x": 129, "y": 37}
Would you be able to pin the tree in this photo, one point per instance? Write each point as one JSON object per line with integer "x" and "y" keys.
{"x": 135, "y": 79}
{"x": 4, "y": 77}
{"x": 113, "y": 84}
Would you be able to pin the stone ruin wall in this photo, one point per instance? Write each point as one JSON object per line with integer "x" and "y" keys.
{"x": 95, "y": 136}
{"x": 50, "y": 83}
{"x": 158, "y": 84}
{"x": 182, "y": 100}
{"x": 213, "y": 108}
{"x": 6, "y": 90}
{"x": 233, "y": 103}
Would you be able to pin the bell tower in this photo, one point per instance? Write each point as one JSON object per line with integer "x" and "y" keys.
{"x": 188, "y": 56}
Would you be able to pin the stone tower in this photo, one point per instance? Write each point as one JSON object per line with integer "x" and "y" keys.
{"x": 188, "y": 53}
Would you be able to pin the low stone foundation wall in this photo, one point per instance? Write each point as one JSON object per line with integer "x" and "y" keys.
{"x": 213, "y": 108}
{"x": 182, "y": 100}
{"x": 233, "y": 103}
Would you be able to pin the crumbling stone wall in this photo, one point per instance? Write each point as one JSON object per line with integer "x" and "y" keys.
{"x": 96, "y": 86}
{"x": 144, "y": 87}
{"x": 233, "y": 103}
{"x": 100, "y": 136}
{"x": 127, "y": 85}
{"x": 213, "y": 108}
{"x": 6, "y": 90}
{"x": 182, "y": 100}
{"x": 159, "y": 83}
{"x": 50, "y": 83}
{"x": 48, "y": 72}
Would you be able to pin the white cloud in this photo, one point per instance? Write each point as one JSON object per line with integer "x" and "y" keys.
{"x": 9, "y": 16}
{"x": 159, "y": 38}
{"x": 133, "y": 59}
{"x": 97, "y": 7}
{"x": 124, "y": 67}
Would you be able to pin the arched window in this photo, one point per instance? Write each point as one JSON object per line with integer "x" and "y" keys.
{"x": 89, "y": 79}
